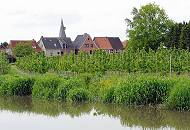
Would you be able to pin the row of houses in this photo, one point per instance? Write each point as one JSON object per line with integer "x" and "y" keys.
{"x": 57, "y": 46}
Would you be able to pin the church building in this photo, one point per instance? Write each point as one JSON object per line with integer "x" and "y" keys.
{"x": 56, "y": 46}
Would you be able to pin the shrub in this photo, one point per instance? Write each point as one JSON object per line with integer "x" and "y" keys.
{"x": 23, "y": 49}
{"x": 108, "y": 96}
{"x": 45, "y": 87}
{"x": 14, "y": 85}
{"x": 66, "y": 85}
{"x": 4, "y": 65}
{"x": 179, "y": 97}
{"x": 78, "y": 95}
{"x": 106, "y": 89}
{"x": 142, "y": 91}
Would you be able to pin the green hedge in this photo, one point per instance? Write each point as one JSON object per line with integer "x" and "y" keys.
{"x": 15, "y": 85}
{"x": 179, "y": 98}
{"x": 128, "y": 90}
{"x": 45, "y": 87}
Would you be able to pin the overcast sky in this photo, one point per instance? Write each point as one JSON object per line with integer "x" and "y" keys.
{"x": 28, "y": 19}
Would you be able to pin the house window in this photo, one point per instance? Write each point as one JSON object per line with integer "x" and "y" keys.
{"x": 90, "y": 51}
{"x": 86, "y": 45}
{"x": 64, "y": 45}
{"x": 51, "y": 54}
{"x": 111, "y": 51}
{"x": 58, "y": 53}
{"x": 88, "y": 39}
{"x": 91, "y": 45}
{"x": 61, "y": 52}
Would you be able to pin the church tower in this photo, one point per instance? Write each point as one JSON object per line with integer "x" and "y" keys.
{"x": 62, "y": 33}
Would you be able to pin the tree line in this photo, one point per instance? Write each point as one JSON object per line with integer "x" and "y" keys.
{"x": 150, "y": 27}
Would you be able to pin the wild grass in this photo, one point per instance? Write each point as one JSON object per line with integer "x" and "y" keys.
{"x": 129, "y": 89}
{"x": 179, "y": 97}
{"x": 15, "y": 85}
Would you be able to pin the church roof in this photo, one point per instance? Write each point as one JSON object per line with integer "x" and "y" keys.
{"x": 56, "y": 42}
{"x": 51, "y": 43}
{"x": 62, "y": 30}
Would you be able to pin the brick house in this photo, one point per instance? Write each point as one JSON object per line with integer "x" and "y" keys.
{"x": 84, "y": 43}
{"x": 110, "y": 44}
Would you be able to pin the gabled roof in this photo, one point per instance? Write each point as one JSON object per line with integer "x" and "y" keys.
{"x": 66, "y": 41}
{"x": 115, "y": 43}
{"x": 51, "y": 43}
{"x": 108, "y": 43}
{"x": 13, "y": 43}
{"x": 33, "y": 43}
{"x": 2, "y": 47}
{"x": 56, "y": 42}
{"x": 80, "y": 40}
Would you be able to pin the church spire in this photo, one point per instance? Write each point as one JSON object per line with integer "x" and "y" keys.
{"x": 62, "y": 30}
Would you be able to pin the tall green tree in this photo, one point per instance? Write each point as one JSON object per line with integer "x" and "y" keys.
{"x": 185, "y": 37}
{"x": 173, "y": 36}
{"x": 148, "y": 27}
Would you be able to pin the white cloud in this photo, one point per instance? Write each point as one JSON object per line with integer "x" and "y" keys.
{"x": 28, "y": 19}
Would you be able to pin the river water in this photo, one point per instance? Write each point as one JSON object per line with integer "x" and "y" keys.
{"x": 23, "y": 113}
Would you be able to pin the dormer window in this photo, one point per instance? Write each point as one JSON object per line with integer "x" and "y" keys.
{"x": 86, "y": 45}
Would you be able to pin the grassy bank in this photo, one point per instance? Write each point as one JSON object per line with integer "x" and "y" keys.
{"x": 129, "y": 89}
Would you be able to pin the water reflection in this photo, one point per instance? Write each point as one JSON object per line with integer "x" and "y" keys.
{"x": 141, "y": 117}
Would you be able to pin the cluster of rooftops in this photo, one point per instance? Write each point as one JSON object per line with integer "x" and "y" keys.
{"x": 55, "y": 46}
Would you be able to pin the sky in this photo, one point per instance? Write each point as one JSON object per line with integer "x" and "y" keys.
{"x": 31, "y": 19}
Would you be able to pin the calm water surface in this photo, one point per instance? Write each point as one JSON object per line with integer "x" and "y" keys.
{"x": 18, "y": 113}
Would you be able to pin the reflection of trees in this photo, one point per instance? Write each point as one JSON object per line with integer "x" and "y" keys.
{"x": 50, "y": 108}
{"x": 144, "y": 117}
{"x": 17, "y": 104}
{"x": 55, "y": 108}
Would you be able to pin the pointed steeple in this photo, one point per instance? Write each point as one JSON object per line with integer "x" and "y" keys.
{"x": 62, "y": 33}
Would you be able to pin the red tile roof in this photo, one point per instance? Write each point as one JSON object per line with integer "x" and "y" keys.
{"x": 33, "y": 43}
{"x": 108, "y": 43}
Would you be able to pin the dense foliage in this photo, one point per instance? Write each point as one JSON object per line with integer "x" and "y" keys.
{"x": 54, "y": 87}
{"x": 129, "y": 61}
{"x": 179, "y": 36}
{"x": 148, "y": 27}
{"x": 4, "y": 65}
{"x": 15, "y": 85}
{"x": 179, "y": 98}
{"x": 23, "y": 49}
{"x": 128, "y": 89}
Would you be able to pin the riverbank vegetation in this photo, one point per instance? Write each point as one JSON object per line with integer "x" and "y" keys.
{"x": 126, "y": 89}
